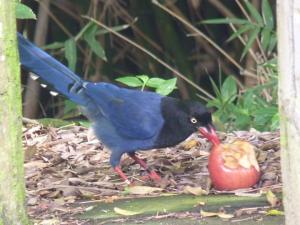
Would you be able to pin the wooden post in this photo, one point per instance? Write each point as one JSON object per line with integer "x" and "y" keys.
{"x": 12, "y": 188}
{"x": 288, "y": 19}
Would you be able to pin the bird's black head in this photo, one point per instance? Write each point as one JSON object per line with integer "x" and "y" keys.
{"x": 194, "y": 115}
{"x": 182, "y": 118}
{"x": 197, "y": 117}
{"x": 200, "y": 119}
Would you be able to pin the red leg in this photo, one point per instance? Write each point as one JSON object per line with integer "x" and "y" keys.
{"x": 139, "y": 161}
{"x": 119, "y": 171}
{"x": 152, "y": 174}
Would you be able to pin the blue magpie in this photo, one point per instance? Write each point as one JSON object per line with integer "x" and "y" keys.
{"x": 125, "y": 120}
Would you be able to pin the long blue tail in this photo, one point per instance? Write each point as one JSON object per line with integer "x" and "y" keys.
{"x": 51, "y": 71}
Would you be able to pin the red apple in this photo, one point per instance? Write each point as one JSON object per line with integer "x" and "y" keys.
{"x": 231, "y": 166}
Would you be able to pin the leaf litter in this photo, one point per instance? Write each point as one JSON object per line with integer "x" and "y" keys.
{"x": 65, "y": 167}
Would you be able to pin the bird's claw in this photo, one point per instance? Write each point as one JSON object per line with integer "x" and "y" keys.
{"x": 128, "y": 182}
{"x": 154, "y": 176}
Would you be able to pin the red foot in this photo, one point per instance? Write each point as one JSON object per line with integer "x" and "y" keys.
{"x": 139, "y": 161}
{"x": 119, "y": 171}
{"x": 154, "y": 176}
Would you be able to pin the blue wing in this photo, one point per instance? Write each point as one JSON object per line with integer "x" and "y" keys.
{"x": 134, "y": 114}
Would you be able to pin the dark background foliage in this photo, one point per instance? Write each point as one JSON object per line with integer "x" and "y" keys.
{"x": 243, "y": 83}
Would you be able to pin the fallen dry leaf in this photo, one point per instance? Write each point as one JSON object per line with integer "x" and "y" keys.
{"x": 194, "y": 190}
{"x": 207, "y": 214}
{"x": 143, "y": 190}
{"x": 218, "y": 214}
{"x": 271, "y": 198}
{"x": 225, "y": 215}
{"x": 274, "y": 212}
{"x": 190, "y": 144}
{"x": 60, "y": 159}
{"x": 54, "y": 221}
{"x": 125, "y": 212}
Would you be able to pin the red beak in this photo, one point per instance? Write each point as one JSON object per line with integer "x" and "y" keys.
{"x": 210, "y": 134}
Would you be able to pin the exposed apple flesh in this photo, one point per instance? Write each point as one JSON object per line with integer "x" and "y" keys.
{"x": 233, "y": 166}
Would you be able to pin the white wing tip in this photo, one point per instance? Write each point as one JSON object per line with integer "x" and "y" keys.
{"x": 34, "y": 76}
{"x": 53, "y": 93}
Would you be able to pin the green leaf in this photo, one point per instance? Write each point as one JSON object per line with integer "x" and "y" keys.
{"x": 265, "y": 37}
{"x": 130, "y": 81}
{"x": 257, "y": 89}
{"x": 167, "y": 86}
{"x": 275, "y": 121}
{"x": 242, "y": 121}
{"x": 85, "y": 123}
{"x": 275, "y": 212}
{"x": 69, "y": 106}
{"x": 54, "y": 45}
{"x": 250, "y": 41}
{"x": 125, "y": 212}
{"x": 267, "y": 14}
{"x": 263, "y": 116}
{"x": 71, "y": 53}
{"x": 24, "y": 12}
{"x": 70, "y": 109}
{"x": 271, "y": 63}
{"x": 155, "y": 82}
{"x": 225, "y": 113}
{"x": 100, "y": 31}
{"x": 214, "y": 103}
{"x": 248, "y": 100}
{"x": 225, "y": 21}
{"x": 254, "y": 13}
{"x": 272, "y": 44}
{"x": 84, "y": 29}
{"x": 143, "y": 78}
{"x": 241, "y": 30}
{"x": 90, "y": 37}
{"x": 229, "y": 89}
{"x": 217, "y": 91}
{"x": 115, "y": 28}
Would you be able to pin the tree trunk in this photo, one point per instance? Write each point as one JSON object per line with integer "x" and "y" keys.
{"x": 12, "y": 188}
{"x": 288, "y": 19}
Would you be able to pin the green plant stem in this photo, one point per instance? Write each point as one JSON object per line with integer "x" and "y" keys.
{"x": 177, "y": 73}
{"x": 144, "y": 85}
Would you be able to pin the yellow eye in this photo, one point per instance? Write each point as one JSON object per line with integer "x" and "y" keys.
{"x": 193, "y": 120}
